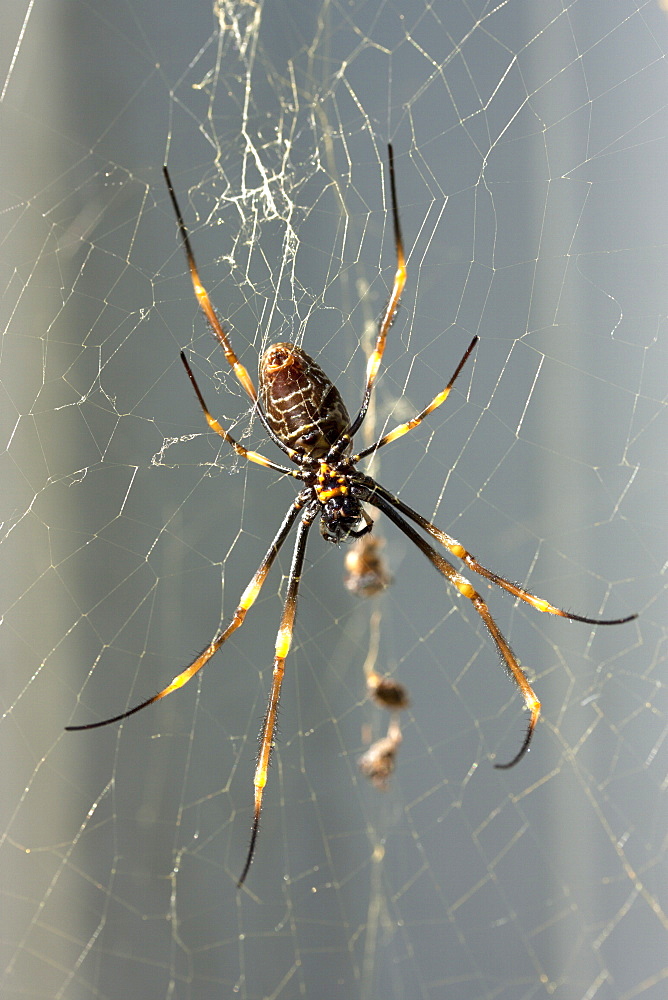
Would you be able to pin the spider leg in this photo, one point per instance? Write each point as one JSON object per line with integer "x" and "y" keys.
{"x": 376, "y": 355}
{"x": 247, "y": 600}
{"x": 404, "y": 428}
{"x": 204, "y": 301}
{"x": 252, "y": 456}
{"x": 458, "y": 550}
{"x": 447, "y": 570}
{"x": 283, "y": 642}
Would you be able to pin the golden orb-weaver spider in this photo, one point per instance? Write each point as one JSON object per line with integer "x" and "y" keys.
{"x": 305, "y": 416}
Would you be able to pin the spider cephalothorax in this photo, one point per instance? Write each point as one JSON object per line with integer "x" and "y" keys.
{"x": 304, "y": 415}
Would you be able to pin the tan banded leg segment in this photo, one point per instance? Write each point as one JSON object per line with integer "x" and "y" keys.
{"x": 252, "y": 456}
{"x": 458, "y": 550}
{"x": 376, "y": 356}
{"x": 247, "y": 600}
{"x": 283, "y": 642}
{"x": 447, "y": 570}
{"x": 204, "y": 301}
{"x": 437, "y": 401}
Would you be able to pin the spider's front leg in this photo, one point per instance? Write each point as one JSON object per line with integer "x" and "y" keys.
{"x": 203, "y": 299}
{"x": 376, "y": 356}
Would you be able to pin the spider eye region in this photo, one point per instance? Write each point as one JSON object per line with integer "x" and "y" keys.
{"x": 302, "y": 405}
{"x": 342, "y": 517}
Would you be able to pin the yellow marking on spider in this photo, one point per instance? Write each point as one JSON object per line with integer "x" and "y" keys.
{"x": 339, "y": 487}
{"x": 336, "y": 491}
{"x": 240, "y": 371}
{"x": 373, "y": 365}
{"x": 283, "y": 642}
{"x": 390, "y": 312}
{"x": 400, "y": 431}
{"x": 325, "y": 473}
{"x": 438, "y": 400}
{"x": 260, "y": 781}
{"x": 181, "y": 679}
{"x": 252, "y": 456}
{"x": 177, "y": 683}
{"x": 250, "y": 593}
{"x": 255, "y": 456}
{"x": 244, "y": 377}
{"x": 415, "y": 421}
{"x": 542, "y": 605}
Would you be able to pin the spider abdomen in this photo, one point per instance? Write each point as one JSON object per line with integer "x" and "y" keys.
{"x": 303, "y": 407}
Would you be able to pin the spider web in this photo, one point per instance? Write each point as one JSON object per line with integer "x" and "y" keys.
{"x": 531, "y": 143}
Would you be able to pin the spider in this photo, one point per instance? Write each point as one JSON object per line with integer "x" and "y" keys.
{"x": 304, "y": 415}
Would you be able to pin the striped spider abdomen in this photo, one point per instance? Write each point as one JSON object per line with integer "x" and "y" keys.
{"x": 301, "y": 404}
